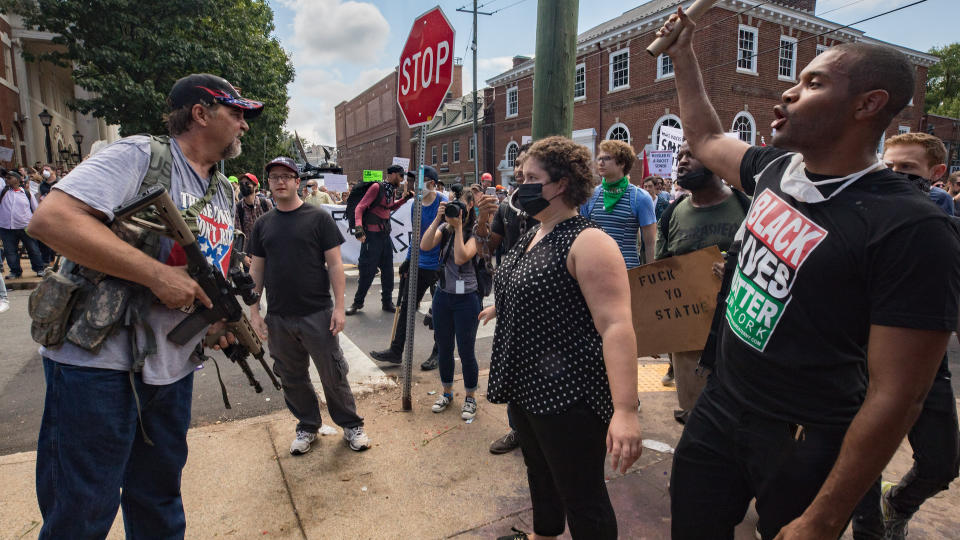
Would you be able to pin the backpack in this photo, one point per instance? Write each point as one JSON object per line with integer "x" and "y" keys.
{"x": 480, "y": 270}
{"x": 663, "y": 226}
{"x": 356, "y": 195}
{"x": 3, "y": 194}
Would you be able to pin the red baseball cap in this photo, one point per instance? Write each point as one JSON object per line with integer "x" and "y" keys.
{"x": 252, "y": 178}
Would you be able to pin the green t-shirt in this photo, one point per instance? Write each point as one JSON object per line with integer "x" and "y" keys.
{"x": 693, "y": 228}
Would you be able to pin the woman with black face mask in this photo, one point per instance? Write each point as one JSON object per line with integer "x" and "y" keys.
{"x": 564, "y": 349}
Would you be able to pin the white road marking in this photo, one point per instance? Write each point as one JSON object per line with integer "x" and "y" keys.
{"x": 364, "y": 375}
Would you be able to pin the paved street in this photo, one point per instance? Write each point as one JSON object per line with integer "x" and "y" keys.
{"x": 21, "y": 372}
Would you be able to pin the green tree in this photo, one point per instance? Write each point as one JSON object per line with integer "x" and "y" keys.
{"x": 129, "y": 53}
{"x": 943, "y": 82}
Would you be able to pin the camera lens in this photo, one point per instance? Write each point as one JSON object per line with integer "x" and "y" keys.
{"x": 452, "y": 210}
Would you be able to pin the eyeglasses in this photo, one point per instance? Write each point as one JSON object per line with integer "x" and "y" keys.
{"x": 604, "y": 159}
{"x": 281, "y": 177}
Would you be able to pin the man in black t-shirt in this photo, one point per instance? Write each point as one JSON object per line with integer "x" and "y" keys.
{"x": 845, "y": 270}
{"x": 296, "y": 256}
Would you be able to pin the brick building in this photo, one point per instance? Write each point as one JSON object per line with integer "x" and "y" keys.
{"x": 371, "y": 130}
{"x": 948, "y": 129}
{"x": 450, "y": 146}
{"x": 621, "y": 92}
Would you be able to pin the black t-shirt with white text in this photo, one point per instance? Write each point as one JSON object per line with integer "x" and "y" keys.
{"x": 813, "y": 277}
{"x": 294, "y": 245}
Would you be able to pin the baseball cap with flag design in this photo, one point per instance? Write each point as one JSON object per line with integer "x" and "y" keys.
{"x": 207, "y": 89}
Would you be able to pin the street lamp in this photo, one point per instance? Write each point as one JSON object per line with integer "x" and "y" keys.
{"x": 45, "y": 119}
{"x": 78, "y": 138}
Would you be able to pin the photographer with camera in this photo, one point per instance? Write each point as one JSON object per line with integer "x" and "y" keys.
{"x": 457, "y": 302}
{"x": 303, "y": 320}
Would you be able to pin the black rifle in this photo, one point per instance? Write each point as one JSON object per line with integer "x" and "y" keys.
{"x": 154, "y": 211}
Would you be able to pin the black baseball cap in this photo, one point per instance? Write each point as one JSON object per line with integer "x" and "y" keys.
{"x": 283, "y": 162}
{"x": 207, "y": 89}
{"x": 429, "y": 173}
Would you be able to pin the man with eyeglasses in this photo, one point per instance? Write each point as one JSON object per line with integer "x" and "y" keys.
{"x": 296, "y": 257}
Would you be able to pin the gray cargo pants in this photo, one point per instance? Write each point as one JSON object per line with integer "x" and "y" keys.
{"x": 292, "y": 342}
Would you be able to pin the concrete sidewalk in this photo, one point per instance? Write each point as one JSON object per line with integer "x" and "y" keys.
{"x": 427, "y": 476}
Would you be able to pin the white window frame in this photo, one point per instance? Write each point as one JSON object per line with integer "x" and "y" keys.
{"x": 752, "y": 70}
{"x": 515, "y": 91}
{"x": 613, "y": 55}
{"x": 577, "y": 71}
{"x": 506, "y": 154}
{"x": 662, "y": 61}
{"x": 660, "y": 121}
{"x": 753, "y": 126}
{"x": 821, "y": 48}
{"x": 793, "y": 61}
{"x": 619, "y": 125}
{"x": 473, "y": 148}
{"x": 456, "y": 151}
{"x": 433, "y": 154}
{"x": 444, "y": 155}
{"x": 903, "y": 129}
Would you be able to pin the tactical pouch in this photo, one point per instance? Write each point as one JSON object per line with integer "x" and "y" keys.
{"x": 104, "y": 309}
{"x": 50, "y": 306}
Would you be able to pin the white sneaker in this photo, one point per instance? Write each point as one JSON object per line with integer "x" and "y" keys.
{"x": 469, "y": 409}
{"x": 301, "y": 445}
{"x": 4, "y": 305}
{"x": 441, "y": 404}
{"x": 356, "y": 438}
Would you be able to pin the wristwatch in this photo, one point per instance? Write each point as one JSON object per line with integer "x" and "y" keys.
{"x": 358, "y": 232}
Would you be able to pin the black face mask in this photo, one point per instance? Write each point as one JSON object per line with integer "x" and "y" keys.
{"x": 922, "y": 183}
{"x": 695, "y": 180}
{"x": 246, "y": 189}
{"x": 529, "y": 199}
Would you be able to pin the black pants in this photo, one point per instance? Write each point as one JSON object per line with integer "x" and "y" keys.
{"x": 564, "y": 454}
{"x": 935, "y": 441}
{"x": 376, "y": 253}
{"x": 728, "y": 455}
{"x": 425, "y": 278}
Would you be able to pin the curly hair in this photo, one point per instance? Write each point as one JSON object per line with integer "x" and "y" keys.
{"x": 622, "y": 153}
{"x": 561, "y": 158}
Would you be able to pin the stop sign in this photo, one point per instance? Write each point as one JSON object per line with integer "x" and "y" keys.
{"x": 426, "y": 67}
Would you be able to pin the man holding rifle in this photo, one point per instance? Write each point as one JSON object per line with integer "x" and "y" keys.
{"x": 846, "y": 271}
{"x": 117, "y": 405}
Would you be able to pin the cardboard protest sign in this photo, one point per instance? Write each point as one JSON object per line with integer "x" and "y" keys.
{"x": 372, "y": 176}
{"x": 661, "y": 162}
{"x": 670, "y": 138}
{"x": 336, "y": 182}
{"x": 673, "y": 301}
{"x": 6, "y": 154}
{"x": 403, "y": 162}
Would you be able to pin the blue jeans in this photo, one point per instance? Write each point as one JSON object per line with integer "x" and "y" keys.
{"x": 455, "y": 316}
{"x": 11, "y": 239}
{"x": 91, "y": 447}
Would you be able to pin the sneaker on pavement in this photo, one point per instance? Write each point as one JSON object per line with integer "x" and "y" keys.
{"x": 386, "y": 356}
{"x": 507, "y": 443}
{"x": 354, "y": 309}
{"x": 301, "y": 445}
{"x": 356, "y": 438}
{"x": 667, "y": 379}
{"x": 516, "y": 534}
{"x": 469, "y": 409}
{"x": 442, "y": 403}
{"x": 430, "y": 363}
{"x": 4, "y": 305}
{"x": 894, "y": 523}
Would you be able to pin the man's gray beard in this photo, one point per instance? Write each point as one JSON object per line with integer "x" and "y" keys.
{"x": 233, "y": 150}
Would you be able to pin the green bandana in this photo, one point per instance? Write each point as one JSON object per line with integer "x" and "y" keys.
{"x": 612, "y": 192}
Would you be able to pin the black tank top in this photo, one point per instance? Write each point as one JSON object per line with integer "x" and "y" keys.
{"x": 547, "y": 353}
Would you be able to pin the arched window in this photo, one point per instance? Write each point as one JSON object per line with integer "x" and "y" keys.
{"x": 670, "y": 120}
{"x": 743, "y": 126}
{"x": 512, "y": 150}
{"x": 618, "y": 132}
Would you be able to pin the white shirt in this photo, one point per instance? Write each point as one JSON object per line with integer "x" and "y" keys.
{"x": 15, "y": 212}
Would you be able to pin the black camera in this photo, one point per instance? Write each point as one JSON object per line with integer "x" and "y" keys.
{"x": 455, "y": 209}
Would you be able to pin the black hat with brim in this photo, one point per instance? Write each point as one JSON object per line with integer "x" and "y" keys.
{"x": 207, "y": 89}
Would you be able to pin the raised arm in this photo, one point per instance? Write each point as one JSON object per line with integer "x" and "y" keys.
{"x": 701, "y": 125}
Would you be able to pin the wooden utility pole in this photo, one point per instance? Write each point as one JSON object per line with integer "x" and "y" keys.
{"x": 476, "y": 138}
{"x": 556, "y": 60}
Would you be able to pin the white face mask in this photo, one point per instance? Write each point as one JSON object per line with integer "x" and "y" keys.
{"x": 46, "y": 173}
{"x": 796, "y": 184}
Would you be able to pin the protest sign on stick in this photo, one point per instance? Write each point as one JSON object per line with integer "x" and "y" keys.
{"x": 661, "y": 162}
{"x": 673, "y": 301}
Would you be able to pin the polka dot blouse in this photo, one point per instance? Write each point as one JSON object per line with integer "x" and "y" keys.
{"x": 547, "y": 353}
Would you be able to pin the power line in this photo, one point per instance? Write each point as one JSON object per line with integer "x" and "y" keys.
{"x": 508, "y": 6}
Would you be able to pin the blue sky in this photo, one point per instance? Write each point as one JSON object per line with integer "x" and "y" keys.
{"x": 339, "y": 48}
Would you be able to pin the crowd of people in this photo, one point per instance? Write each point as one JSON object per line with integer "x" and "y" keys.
{"x": 839, "y": 264}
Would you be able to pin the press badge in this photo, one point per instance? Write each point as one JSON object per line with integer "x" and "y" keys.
{"x": 461, "y": 286}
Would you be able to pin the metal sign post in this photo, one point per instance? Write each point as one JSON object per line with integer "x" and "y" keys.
{"x": 412, "y": 271}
